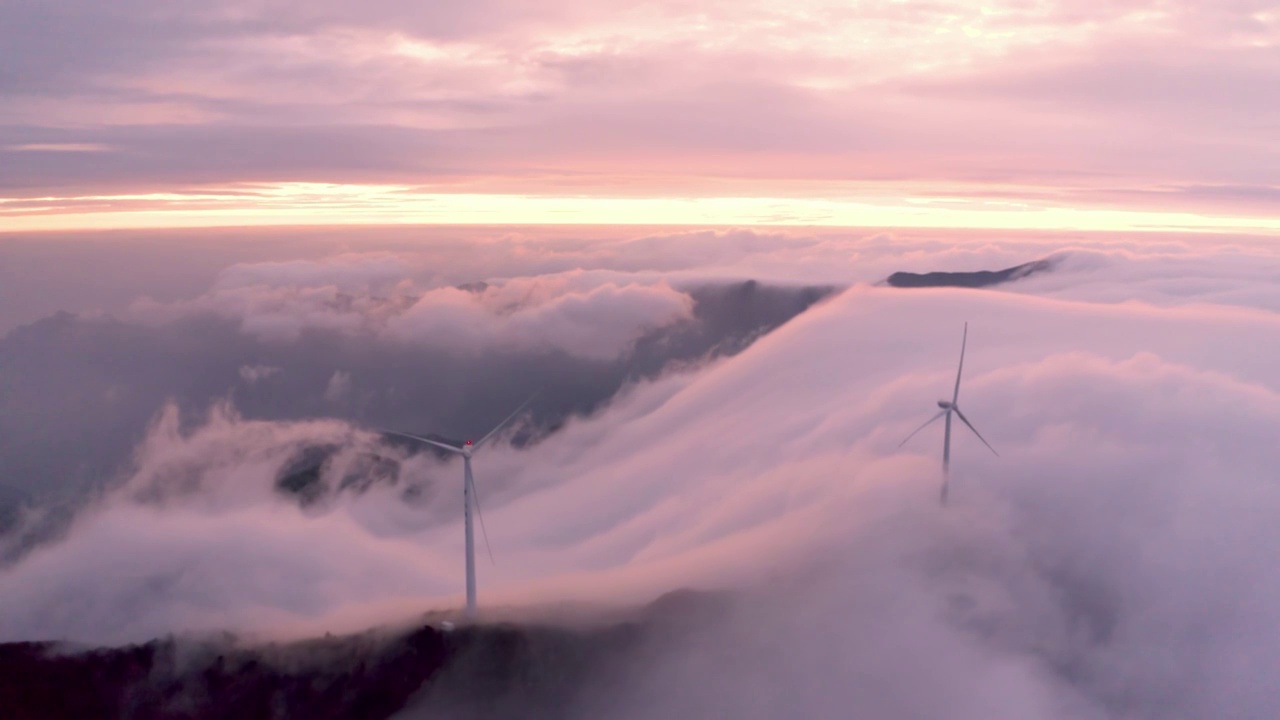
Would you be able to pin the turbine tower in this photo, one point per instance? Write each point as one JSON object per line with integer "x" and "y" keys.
{"x": 948, "y": 407}
{"x": 469, "y": 497}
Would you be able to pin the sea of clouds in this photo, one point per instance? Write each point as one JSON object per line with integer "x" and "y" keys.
{"x": 1115, "y": 561}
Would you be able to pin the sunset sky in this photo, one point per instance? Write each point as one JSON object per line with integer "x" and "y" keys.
{"x": 1031, "y": 114}
{"x": 735, "y": 251}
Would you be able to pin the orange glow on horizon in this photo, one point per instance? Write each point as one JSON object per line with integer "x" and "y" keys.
{"x": 350, "y": 204}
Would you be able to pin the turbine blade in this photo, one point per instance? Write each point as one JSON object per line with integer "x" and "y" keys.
{"x": 510, "y": 417}
{"x": 955, "y": 397}
{"x": 965, "y": 420}
{"x": 475, "y": 497}
{"x": 927, "y": 424}
{"x": 442, "y": 446}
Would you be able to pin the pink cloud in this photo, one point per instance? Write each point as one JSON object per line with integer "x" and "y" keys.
{"x": 1141, "y": 104}
{"x": 1131, "y": 393}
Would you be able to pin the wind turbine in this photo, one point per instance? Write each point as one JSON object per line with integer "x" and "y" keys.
{"x": 948, "y": 407}
{"x": 469, "y": 497}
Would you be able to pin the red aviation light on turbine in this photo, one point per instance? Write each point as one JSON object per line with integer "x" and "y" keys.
{"x": 467, "y": 442}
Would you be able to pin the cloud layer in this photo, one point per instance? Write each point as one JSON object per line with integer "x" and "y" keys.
{"x": 374, "y": 338}
{"x": 1113, "y": 562}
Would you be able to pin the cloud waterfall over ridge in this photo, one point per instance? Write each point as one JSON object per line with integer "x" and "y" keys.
{"x": 1113, "y": 562}
{"x": 1131, "y": 467}
{"x": 354, "y": 338}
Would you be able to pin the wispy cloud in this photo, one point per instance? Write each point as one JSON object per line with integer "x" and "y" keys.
{"x": 58, "y": 147}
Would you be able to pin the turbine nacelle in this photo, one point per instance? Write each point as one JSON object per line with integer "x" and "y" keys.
{"x": 945, "y": 404}
{"x": 467, "y": 447}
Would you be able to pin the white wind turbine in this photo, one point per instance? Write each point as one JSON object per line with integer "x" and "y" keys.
{"x": 949, "y": 407}
{"x": 469, "y": 498}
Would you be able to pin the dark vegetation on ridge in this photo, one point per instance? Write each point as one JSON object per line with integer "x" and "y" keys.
{"x": 493, "y": 671}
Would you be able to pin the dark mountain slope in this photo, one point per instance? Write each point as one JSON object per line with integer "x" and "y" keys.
{"x": 977, "y": 279}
